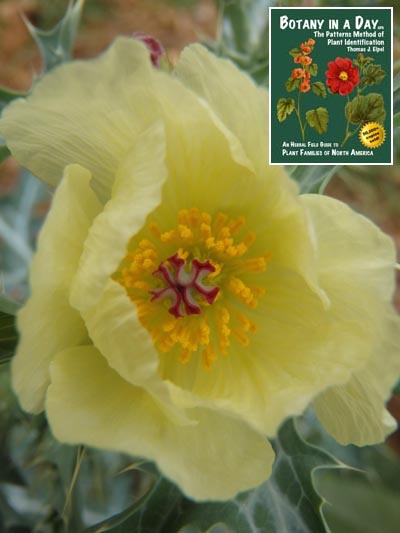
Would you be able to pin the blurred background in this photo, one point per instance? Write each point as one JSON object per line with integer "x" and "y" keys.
{"x": 235, "y": 29}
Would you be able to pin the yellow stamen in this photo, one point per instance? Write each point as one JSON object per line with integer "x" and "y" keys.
{"x": 217, "y": 323}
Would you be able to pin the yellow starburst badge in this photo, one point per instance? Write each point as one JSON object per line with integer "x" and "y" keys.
{"x": 372, "y": 135}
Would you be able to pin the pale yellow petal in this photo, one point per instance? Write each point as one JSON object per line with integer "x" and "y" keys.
{"x": 91, "y": 112}
{"x": 288, "y": 361}
{"x": 86, "y": 112}
{"x": 47, "y": 323}
{"x": 356, "y": 264}
{"x": 301, "y": 347}
{"x": 110, "y": 317}
{"x": 136, "y": 193}
{"x": 233, "y": 96}
{"x": 89, "y": 403}
{"x": 355, "y": 413}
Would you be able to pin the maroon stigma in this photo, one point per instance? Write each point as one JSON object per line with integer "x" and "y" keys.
{"x": 183, "y": 284}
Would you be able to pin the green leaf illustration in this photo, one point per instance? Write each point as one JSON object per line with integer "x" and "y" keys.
{"x": 292, "y": 84}
{"x": 319, "y": 89}
{"x": 294, "y": 52}
{"x": 318, "y": 119}
{"x": 362, "y": 61}
{"x": 374, "y": 74}
{"x": 285, "y": 107}
{"x": 312, "y": 69}
{"x": 366, "y": 108}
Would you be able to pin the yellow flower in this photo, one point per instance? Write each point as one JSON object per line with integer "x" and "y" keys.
{"x": 185, "y": 299}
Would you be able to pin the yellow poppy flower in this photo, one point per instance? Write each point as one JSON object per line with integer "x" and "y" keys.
{"x": 185, "y": 299}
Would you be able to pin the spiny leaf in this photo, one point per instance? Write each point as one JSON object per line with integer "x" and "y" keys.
{"x": 55, "y": 45}
{"x": 318, "y": 119}
{"x": 285, "y": 107}
{"x": 149, "y": 514}
{"x": 356, "y": 504}
{"x": 287, "y": 502}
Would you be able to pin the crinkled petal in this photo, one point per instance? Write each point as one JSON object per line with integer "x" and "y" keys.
{"x": 116, "y": 97}
{"x": 89, "y": 403}
{"x": 354, "y": 257}
{"x": 357, "y": 259}
{"x": 238, "y": 102}
{"x": 110, "y": 317}
{"x": 136, "y": 193}
{"x": 284, "y": 234}
{"x": 86, "y": 112}
{"x": 355, "y": 413}
{"x": 39, "y": 322}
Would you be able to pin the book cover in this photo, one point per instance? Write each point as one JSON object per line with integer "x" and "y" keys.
{"x": 331, "y": 86}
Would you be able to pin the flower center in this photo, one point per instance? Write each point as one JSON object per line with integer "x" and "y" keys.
{"x": 201, "y": 272}
{"x": 181, "y": 285}
{"x": 343, "y": 75}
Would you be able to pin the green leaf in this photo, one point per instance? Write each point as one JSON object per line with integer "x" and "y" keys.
{"x": 56, "y": 45}
{"x": 8, "y": 337}
{"x": 242, "y": 36}
{"x": 147, "y": 515}
{"x": 318, "y": 119}
{"x": 312, "y": 69}
{"x": 319, "y": 89}
{"x": 292, "y": 84}
{"x": 366, "y": 108}
{"x": 312, "y": 178}
{"x": 4, "y": 152}
{"x": 362, "y": 61}
{"x": 373, "y": 74}
{"x": 396, "y": 120}
{"x": 294, "y": 52}
{"x": 235, "y": 18}
{"x": 7, "y": 95}
{"x": 287, "y": 502}
{"x": 285, "y": 107}
{"x": 8, "y": 306}
{"x": 355, "y": 504}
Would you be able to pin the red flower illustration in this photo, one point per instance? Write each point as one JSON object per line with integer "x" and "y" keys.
{"x": 342, "y": 76}
{"x": 305, "y": 48}
{"x": 298, "y": 73}
{"x": 304, "y": 86}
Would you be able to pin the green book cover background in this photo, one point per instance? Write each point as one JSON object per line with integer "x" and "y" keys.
{"x": 282, "y": 64}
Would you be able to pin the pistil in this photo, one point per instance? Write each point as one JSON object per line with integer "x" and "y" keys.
{"x": 182, "y": 285}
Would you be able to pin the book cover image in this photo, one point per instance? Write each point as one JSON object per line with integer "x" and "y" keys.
{"x": 331, "y": 86}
